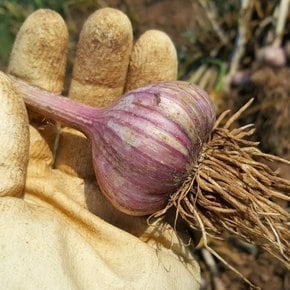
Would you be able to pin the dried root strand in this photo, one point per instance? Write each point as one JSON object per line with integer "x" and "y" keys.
{"x": 231, "y": 192}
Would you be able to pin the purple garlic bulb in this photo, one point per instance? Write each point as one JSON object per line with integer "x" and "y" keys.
{"x": 144, "y": 145}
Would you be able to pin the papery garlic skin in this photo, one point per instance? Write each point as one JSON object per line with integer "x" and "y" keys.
{"x": 147, "y": 142}
{"x": 143, "y": 145}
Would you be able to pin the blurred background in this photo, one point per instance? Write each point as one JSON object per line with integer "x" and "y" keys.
{"x": 234, "y": 49}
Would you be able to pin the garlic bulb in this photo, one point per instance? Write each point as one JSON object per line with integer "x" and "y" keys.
{"x": 144, "y": 145}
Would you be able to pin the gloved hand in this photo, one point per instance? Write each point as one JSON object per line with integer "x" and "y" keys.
{"x": 57, "y": 230}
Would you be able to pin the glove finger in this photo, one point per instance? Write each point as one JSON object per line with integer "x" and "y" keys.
{"x": 153, "y": 58}
{"x": 102, "y": 58}
{"x": 39, "y": 57}
{"x": 99, "y": 77}
{"x": 14, "y": 135}
{"x": 39, "y": 51}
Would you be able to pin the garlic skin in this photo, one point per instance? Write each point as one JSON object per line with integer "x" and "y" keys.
{"x": 144, "y": 145}
{"x": 147, "y": 142}
{"x": 272, "y": 55}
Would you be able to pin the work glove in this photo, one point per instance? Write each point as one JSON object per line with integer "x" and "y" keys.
{"x": 57, "y": 231}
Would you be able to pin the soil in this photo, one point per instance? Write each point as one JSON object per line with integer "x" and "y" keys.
{"x": 268, "y": 274}
{"x": 271, "y": 110}
{"x": 257, "y": 266}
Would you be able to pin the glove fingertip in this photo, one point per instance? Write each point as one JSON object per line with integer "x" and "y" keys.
{"x": 40, "y": 50}
{"x": 153, "y": 59}
{"x": 102, "y": 58}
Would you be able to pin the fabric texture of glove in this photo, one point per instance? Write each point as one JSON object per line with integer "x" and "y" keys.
{"x": 57, "y": 230}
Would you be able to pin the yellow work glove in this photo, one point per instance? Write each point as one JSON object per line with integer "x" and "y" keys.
{"x": 57, "y": 231}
